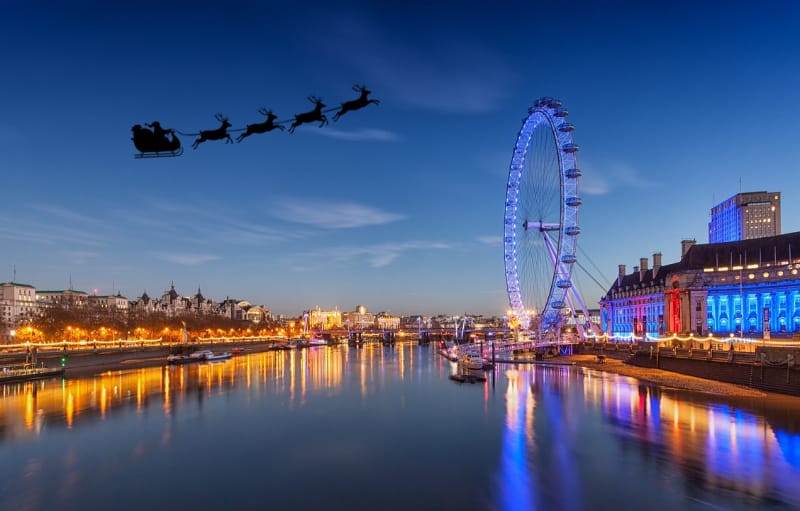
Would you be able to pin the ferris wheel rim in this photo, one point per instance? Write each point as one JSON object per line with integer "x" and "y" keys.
{"x": 546, "y": 113}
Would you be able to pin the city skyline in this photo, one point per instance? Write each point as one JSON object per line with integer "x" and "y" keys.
{"x": 399, "y": 206}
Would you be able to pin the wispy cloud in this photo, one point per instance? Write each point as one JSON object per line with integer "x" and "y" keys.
{"x": 603, "y": 179}
{"x": 81, "y": 257}
{"x": 378, "y": 255}
{"x": 444, "y": 74}
{"x": 68, "y": 216}
{"x": 186, "y": 259}
{"x": 359, "y": 134}
{"x": 251, "y": 235}
{"x": 210, "y": 225}
{"x": 594, "y": 184}
{"x": 630, "y": 176}
{"x": 490, "y": 240}
{"x": 331, "y": 215}
{"x": 55, "y": 226}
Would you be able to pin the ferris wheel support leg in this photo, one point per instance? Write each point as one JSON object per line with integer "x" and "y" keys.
{"x": 571, "y": 292}
{"x": 551, "y": 250}
{"x": 581, "y": 330}
{"x": 585, "y": 311}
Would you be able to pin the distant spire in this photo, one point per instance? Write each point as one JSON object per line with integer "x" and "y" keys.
{"x": 70, "y": 282}
{"x": 13, "y": 273}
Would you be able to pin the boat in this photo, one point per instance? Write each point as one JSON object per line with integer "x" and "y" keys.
{"x": 24, "y": 372}
{"x": 467, "y": 378}
{"x": 213, "y": 357}
{"x": 181, "y": 359}
{"x": 314, "y": 341}
{"x": 198, "y": 356}
{"x": 468, "y": 361}
{"x": 297, "y": 343}
{"x": 450, "y": 352}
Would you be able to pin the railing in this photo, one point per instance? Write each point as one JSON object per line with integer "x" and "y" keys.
{"x": 502, "y": 348}
{"x": 728, "y": 355}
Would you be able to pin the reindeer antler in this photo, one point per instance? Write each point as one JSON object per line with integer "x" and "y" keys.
{"x": 264, "y": 111}
{"x": 220, "y": 117}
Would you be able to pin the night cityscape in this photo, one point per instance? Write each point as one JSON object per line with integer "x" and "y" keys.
{"x": 522, "y": 256}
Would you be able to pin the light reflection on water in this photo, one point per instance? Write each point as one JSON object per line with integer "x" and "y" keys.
{"x": 358, "y": 422}
{"x": 702, "y": 454}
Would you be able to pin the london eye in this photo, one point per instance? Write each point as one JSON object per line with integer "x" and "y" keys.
{"x": 541, "y": 221}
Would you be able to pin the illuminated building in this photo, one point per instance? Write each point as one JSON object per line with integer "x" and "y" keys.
{"x": 115, "y": 303}
{"x": 199, "y": 304}
{"x": 325, "y": 320}
{"x": 359, "y": 319}
{"x": 144, "y": 304}
{"x": 258, "y": 314}
{"x": 580, "y": 319}
{"x": 171, "y": 303}
{"x": 17, "y": 303}
{"x": 385, "y": 321}
{"x": 67, "y": 298}
{"x": 745, "y": 216}
{"x": 749, "y": 287}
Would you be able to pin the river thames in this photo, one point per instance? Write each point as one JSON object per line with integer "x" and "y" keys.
{"x": 383, "y": 428}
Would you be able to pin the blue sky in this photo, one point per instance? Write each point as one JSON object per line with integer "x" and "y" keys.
{"x": 397, "y": 206}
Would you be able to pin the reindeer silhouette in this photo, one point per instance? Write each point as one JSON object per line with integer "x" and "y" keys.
{"x": 312, "y": 116}
{"x": 262, "y": 127}
{"x": 357, "y": 103}
{"x": 219, "y": 133}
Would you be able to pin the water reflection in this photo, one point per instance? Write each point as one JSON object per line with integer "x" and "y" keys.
{"x": 26, "y": 407}
{"x": 527, "y": 438}
{"x": 717, "y": 450}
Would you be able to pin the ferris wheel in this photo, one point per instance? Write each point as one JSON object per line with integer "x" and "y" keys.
{"x": 541, "y": 221}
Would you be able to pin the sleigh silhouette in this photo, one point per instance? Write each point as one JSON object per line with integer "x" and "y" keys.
{"x": 155, "y": 142}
